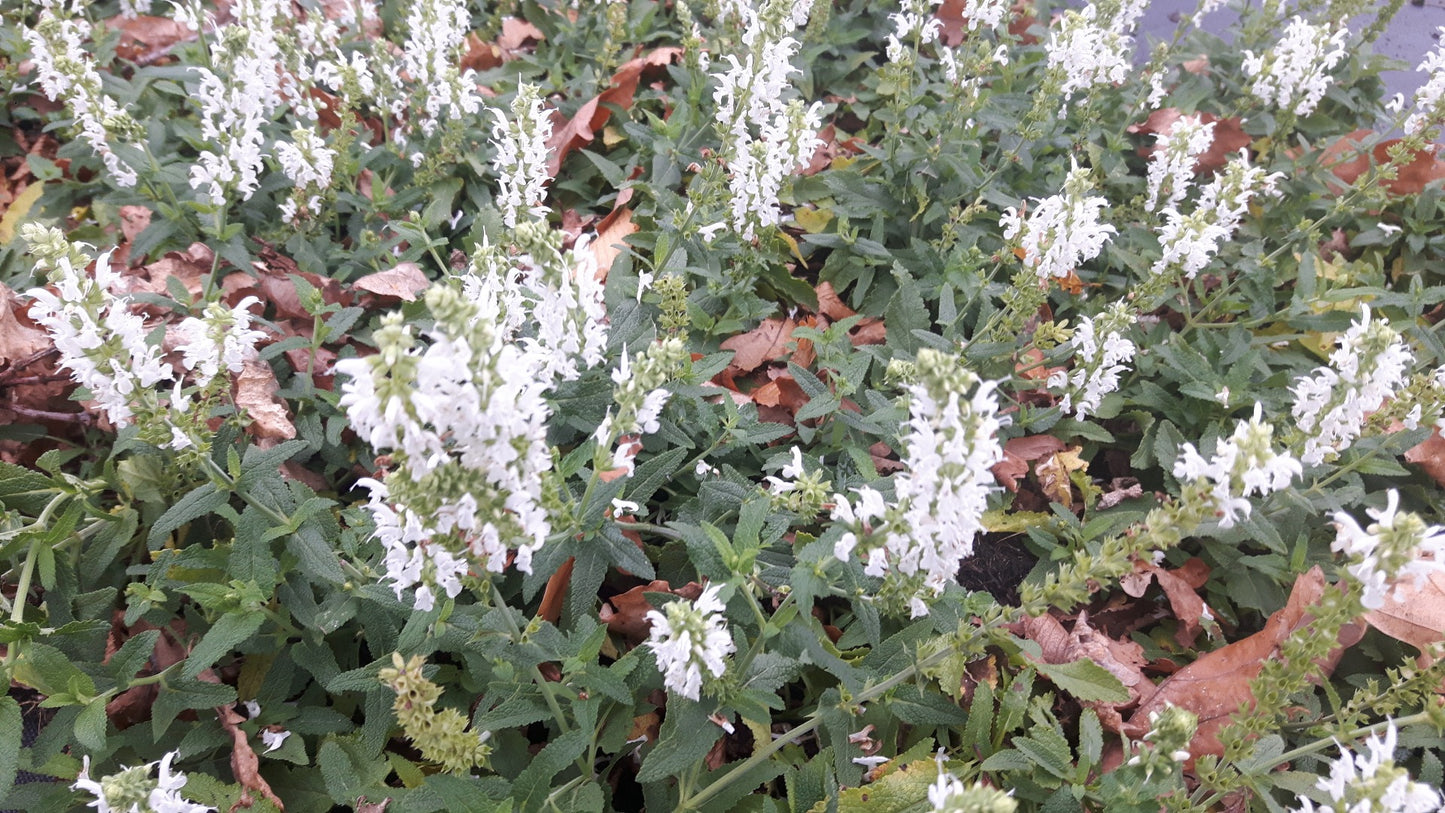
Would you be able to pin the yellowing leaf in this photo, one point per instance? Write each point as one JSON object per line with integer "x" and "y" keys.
{"x": 19, "y": 208}
{"x": 1053, "y": 473}
{"x": 811, "y": 220}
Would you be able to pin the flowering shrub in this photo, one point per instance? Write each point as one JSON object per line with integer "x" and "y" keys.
{"x": 756, "y": 404}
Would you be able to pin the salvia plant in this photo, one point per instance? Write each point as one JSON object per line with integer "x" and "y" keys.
{"x": 767, "y": 405}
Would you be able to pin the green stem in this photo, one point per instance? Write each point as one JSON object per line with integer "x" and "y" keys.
{"x": 544, "y": 685}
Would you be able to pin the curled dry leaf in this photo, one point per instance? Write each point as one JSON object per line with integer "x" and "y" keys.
{"x": 256, "y": 387}
{"x": 1053, "y": 472}
{"x": 133, "y": 221}
{"x": 1018, "y": 453}
{"x": 245, "y": 765}
{"x": 611, "y": 233}
{"x": 1122, "y": 659}
{"x": 402, "y": 281}
{"x": 146, "y": 40}
{"x": 1413, "y": 614}
{"x": 19, "y": 338}
{"x": 1179, "y": 588}
{"x": 582, "y": 128}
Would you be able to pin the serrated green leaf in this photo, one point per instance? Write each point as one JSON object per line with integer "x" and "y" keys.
{"x": 181, "y": 694}
{"x": 197, "y": 503}
{"x": 683, "y": 740}
{"x": 90, "y": 725}
{"x": 1048, "y": 749}
{"x": 11, "y": 735}
{"x": 229, "y": 630}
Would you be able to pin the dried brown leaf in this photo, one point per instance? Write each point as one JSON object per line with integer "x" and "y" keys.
{"x": 133, "y": 221}
{"x": 402, "y": 281}
{"x": 1229, "y": 136}
{"x": 145, "y": 39}
{"x": 256, "y": 388}
{"x": 1216, "y": 685}
{"x": 611, "y": 232}
{"x": 19, "y": 339}
{"x": 1429, "y": 454}
{"x": 625, "y": 614}
{"x": 1415, "y": 615}
{"x": 760, "y": 345}
{"x": 1347, "y": 159}
{"x": 830, "y": 305}
{"x": 1053, "y": 473}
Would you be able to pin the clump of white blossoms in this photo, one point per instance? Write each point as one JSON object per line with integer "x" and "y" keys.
{"x": 465, "y": 421}
{"x": 1246, "y": 463}
{"x": 1094, "y": 45}
{"x": 435, "y": 30}
{"x": 1296, "y": 74}
{"x": 1330, "y": 405}
{"x": 914, "y": 25}
{"x": 753, "y": 91}
{"x": 988, "y": 14}
{"x": 237, "y": 98}
{"x": 1063, "y": 230}
{"x": 688, "y": 639}
{"x": 1429, "y": 109}
{"x": 67, "y": 71}
{"x": 1101, "y": 353}
{"x": 308, "y": 162}
{"x": 1395, "y": 546}
{"x": 521, "y": 160}
{"x": 640, "y": 396}
{"x": 796, "y": 489}
{"x": 134, "y": 790}
{"x": 222, "y": 337}
{"x": 547, "y": 300}
{"x": 101, "y": 342}
{"x": 917, "y": 544}
{"x": 1372, "y": 782}
{"x": 1189, "y": 242}
{"x": 1172, "y": 166}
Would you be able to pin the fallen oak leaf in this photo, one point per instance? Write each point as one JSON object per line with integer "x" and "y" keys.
{"x": 611, "y": 232}
{"x": 1018, "y": 453}
{"x": 245, "y": 765}
{"x": 1179, "y": 588}
{"x": 1054, "y": 474}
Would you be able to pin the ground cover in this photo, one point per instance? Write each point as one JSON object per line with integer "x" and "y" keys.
{"x": 718, "y": 406}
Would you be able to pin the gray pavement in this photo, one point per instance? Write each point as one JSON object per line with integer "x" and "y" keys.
{"x": 1411, "y": 34}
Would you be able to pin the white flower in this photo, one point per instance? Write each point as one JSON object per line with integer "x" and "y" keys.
{"x": 132, "y": 790}
{"x": 950, "y": 444}
{"x": 307, "y": 161}
{"x": 1062, "y": 231}
{"x": 100, "y": 340}
{"x": 1101, "y": 354}
{"x": 1395, "y": 546}
{"x": 1427, "y": 109}
{"x": 66, "y": 70}
{"x": 1358, "y": 783}
{"x": 985, "y": 13}
{"x": 223, "y": 338}
{"x": 1089, "y": 51}
{"x": 521, "y": 160}
{"x": 1246, "y": 463}
{"x": 1175, "y": 153}
{"x": 1367, "y": 367}
{"x": 1296, "y": 75}
{"x": 688, "y": 639}
{"x": 273, "y": 739}
{"x": 436, "y": 30}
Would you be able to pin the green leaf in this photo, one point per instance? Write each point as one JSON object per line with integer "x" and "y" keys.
{"x": 685, "y": 738}
{"x": 49, "y": 671}
{"x": 90, "y": 725}
{"x": 895, "y": 792}
{"x": 1091, "y": 739}
{"x": 1048, "y": 749}
{"x": 181, "y": 694}
{"x": 229, "y": 630}
{"x": 10, "y": 738}
{"x": 259, "y": 462}
{"x": 1085, "y": 680}
{"x": 342, "y": 782}
{"x": 533, "y": 783}
{"x": 24, "y": 490}
{"x": 197, "y": 503}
